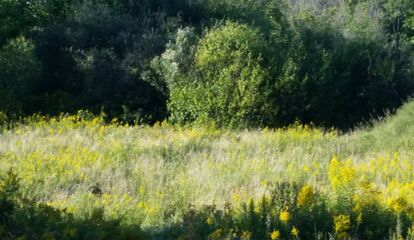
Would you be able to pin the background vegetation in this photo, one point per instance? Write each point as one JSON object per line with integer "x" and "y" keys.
{"x": 229, "y": 63}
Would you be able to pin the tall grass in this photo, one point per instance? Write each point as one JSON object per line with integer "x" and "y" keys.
{"x": 150, "y": 175}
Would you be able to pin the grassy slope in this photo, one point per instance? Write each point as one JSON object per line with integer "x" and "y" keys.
{"x": 147, "y": 172}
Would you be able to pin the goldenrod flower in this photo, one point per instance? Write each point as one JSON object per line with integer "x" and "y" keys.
{"x": 342, "y": 174}
{"x": 398, "y": 205}
{"x": 284, "y": 216}
{"x": 275, "y": 235}
{"x": 342, "y": 226}
{"x": 294, "y": 232}
{"x": 306, "y": 196}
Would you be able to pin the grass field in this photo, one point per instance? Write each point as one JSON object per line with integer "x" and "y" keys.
{"x": 155, "y": 176}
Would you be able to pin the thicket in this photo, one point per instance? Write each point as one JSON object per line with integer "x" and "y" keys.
{"x": 227, "y": 63}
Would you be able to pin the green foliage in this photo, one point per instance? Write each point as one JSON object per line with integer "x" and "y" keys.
{"x": 409, "y": 25}
{"x": 336, "y": 68}
{"x": 232, "y": 63}
{"x": 339, "y": 68}
{"x": 227, "y": 80}
{"x": 15, "y": 17}
{"x": 19, "y": 73}
{"x": 93, "y": 54}
{"x": 97, "y": 61}
{"x": 177, "y": 60}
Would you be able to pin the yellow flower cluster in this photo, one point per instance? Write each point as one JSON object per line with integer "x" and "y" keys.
{"x": 342, "y": 226}
{"x": 342, "y": 174}
{"x": 306, "y": 197}
{"x": 284, "y": 216}
{"x": 275, "y": 235}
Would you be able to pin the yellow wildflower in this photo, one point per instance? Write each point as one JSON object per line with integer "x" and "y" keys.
{"x": 294, "y": 232}
{"x": 398, "y": 205}
{"x": 306, "y": 196}
{"x": 284, "y": 216}
{"x": 342, "y": 174}
{"x": 275, "y": 235}
{"x": 342, "y": 226}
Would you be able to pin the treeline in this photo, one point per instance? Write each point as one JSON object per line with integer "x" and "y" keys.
{"x": 230, "y": 63}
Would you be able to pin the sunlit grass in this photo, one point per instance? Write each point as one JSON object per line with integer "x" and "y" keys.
{"x": 150, "y": 175}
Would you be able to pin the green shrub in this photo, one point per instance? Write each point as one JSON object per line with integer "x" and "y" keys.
{"x": 229, "y": 83}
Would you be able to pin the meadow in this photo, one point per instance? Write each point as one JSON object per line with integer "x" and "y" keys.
{"x": 176, "y": 182}
{"x": 206, "y": 119}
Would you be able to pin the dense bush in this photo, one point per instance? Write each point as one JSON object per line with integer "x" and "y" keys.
{"x": 229, "y": 83}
